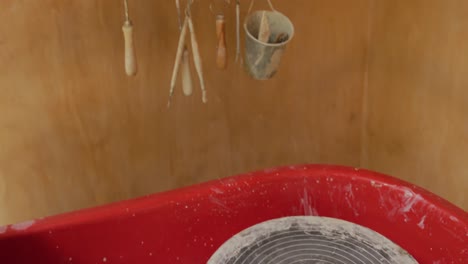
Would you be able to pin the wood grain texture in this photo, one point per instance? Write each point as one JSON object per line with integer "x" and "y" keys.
{"x": 75, "y": 131}
{"x": 417, "y": 95}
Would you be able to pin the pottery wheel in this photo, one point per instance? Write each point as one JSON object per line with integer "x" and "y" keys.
{"x": 309, "y": 239}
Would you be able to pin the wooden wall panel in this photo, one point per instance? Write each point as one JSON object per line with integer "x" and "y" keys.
{"x": 76, "y": 132}
{"x": 417, "y": 96}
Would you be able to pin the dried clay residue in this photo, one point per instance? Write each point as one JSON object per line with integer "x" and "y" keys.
{"x": 306, "y": 204}
{"x": 350, "y": 200}
{"x": 219, "y": 203}
{"x": 421, "y": 223}
{"x": 400, "y": 207}
{"x": 217, "y": 190}
{"x": 410, "y": 200}
{"x": 376, "y": 184}
{"x": 23, "y": 226}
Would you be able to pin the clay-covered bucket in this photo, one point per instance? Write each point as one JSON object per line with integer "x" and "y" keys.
{"x": 262, "y": 59}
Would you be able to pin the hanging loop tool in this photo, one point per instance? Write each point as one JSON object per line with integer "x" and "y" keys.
{"x": 179, "y": 54}
{"x": 130, "y": 57}
{"x": 188, "y": 26}
{"x": 196, "y": 53}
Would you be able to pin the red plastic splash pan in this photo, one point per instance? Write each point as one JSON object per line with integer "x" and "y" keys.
{"x": 189, "y": 224}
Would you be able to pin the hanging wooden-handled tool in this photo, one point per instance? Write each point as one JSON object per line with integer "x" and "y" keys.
{"x": 130, "y": 58}
{"x": 238, "y": 51}
{"x": 221, "y": 53}
{"x": 186, "y": 75}
{"x": 264, "y": 31}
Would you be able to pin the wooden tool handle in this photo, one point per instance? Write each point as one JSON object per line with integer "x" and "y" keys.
{"x": 186, "y": 77}
{"x": 238, "y": 49}
{"x": 130, "y": 58}
{"x": 221, "y": 55}
{"x": 264, "y": 31}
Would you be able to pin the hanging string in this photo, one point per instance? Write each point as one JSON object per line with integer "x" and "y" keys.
{"x": 253, "y": 1}
{"x": 226, "y": 2}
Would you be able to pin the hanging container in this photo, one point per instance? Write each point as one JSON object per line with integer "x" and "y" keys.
{"x": 262, "y": 58}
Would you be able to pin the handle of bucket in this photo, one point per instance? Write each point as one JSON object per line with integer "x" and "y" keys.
{"x": 253, "y": 1}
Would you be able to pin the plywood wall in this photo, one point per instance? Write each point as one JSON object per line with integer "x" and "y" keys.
{"x": 417, "y": 95}
{"x": 76, "y": 132}
{"x": 376, "y": 84}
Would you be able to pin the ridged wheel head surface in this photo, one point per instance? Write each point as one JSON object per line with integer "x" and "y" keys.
{"x": 309, "y": 239}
